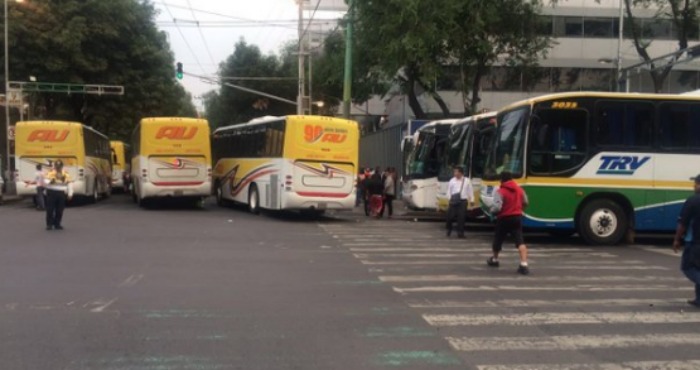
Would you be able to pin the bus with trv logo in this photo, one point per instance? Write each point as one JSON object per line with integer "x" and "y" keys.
{"x": 605, "y": 165}
{"x": 171, "y": 158}
{"x": 304, "y": 163}
{"x": 84, "y": 152}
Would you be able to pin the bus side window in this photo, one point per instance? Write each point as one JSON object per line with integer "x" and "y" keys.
{"x": 624, "y": 124}
{"x": 678, "y": 131}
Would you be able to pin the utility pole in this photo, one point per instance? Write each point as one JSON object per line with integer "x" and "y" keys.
{"x": 620, "y": 35}
{"x": 347, "y": 81}
{"x": 7, "y": 95}
{"x": 302, "y": 61}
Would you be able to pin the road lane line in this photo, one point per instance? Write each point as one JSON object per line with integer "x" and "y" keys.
{"x": 103, "y": 305}
{"x": 589, "y": 264}
{"x": 571, "y": 342}
{"x": 572, "y": 251}
{"x": 563, "y": 318}
{"x": 637, "y": 365}
{"x": 131, "y": 280}
{"x": 462, "y": 254}
{"x": 582, "y": 288}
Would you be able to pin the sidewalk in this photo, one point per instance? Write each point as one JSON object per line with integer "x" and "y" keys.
{"x": 7, "y": 199}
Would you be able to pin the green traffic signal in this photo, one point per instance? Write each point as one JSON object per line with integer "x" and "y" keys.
{"x": 178, "y": 72}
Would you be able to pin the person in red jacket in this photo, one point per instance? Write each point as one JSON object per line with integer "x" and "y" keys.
{"x": 509, "y": 202}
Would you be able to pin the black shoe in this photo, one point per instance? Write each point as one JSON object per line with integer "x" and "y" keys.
{"x": 694, "y": 302}
{"x": 523, "y": 270}
{"x": 59, "y": 227}
{"x": 49, "y": 227}
{"x": 492, "y": 263}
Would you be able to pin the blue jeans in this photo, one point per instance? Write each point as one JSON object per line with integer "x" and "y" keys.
{"x": 690, "y": 270}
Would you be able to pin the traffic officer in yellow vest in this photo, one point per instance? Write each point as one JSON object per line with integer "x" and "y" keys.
{"x": 58, "y": 190}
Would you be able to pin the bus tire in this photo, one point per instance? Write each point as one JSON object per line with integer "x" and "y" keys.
{"x": 603, "y": 222}
{"x": 95, "y": 193}
{"x": 253, "y": 199}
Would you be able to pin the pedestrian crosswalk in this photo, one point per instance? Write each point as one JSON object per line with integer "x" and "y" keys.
{"x": 582, "y": 308}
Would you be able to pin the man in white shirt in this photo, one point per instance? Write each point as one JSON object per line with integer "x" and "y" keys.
{"x": 460, "y": 193}
{"x": 39, "y": 181}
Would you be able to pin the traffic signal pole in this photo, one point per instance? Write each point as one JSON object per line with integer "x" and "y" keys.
{"x": 347, "y": 80}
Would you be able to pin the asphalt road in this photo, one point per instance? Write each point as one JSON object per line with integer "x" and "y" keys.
{"x": 216, "y": 288}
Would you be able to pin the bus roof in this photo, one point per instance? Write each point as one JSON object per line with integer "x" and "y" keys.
{"x": 268, "y": 119}
{"x": 598, "y": 94}
{"x": 476, "y": 117}
{"x": 440, "y": 122}
{"x": 70, "y": 124}
{"x": 158, "y": 120}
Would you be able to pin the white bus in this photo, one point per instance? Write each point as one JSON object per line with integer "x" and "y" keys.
{"x": 287, "y": 163}
{"x": 420, "y": 177}
{"x": 467, "y": 147}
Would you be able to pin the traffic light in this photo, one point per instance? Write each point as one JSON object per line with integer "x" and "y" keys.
{"x": 178, "y": 71}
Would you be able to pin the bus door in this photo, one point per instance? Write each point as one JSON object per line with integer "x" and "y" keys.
{"x": 181, "y": 170}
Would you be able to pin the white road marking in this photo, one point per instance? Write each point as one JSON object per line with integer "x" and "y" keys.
{"x": 532, "y": 278}
{"x": 131, "y": 280}
{"x": 588, "y": 264}
{"x": 637, "y": 365}
{"x": 563, "y": 318}
{"x": 102, "y": 305}
{"x": 664, "y": 251}
{"x": 574, "y": 251}
{"x": 429, "y": 304}
{"x": 582, "y": 287}
{"x": 571, "y": 342}
{"x": 473, "y": 254}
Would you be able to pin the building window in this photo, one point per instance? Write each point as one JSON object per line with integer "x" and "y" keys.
{"x": 599, "y": 27}
{"x": 568, "y": 26}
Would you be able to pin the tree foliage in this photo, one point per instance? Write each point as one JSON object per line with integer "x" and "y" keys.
{"x": 412, "y": 41}
{"x": 684, "y": 17}
{"x": 112, "y": 42}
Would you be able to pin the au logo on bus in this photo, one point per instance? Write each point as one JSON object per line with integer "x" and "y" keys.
{"x": 53, "y": 136}
{"x": 176, "y": 132}
{"x": 316, "y": 133}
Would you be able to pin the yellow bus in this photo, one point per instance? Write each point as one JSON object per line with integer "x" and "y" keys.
{"x": 84, "y": 152}
{"x": 287, "y": 163}
{"x": 120, "y": 166}
{"x": 171, "y": 158}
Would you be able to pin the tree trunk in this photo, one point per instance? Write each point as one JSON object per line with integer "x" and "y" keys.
{"x": 438, "y": 99}
{"x": 476, "y": 86}
{"x": 412, "y": 98}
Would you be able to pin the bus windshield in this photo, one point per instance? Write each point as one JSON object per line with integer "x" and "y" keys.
{"x": 509, "y": 144}
{"x": 457, "y": 148}
{"x": 423, "y": 159}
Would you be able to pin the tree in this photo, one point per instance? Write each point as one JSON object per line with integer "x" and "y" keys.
{"x": 230, "y": 106}
{"x": 495, "y": 32}
{"x": 112, "y": 42}
{"x": 683, "y": 15}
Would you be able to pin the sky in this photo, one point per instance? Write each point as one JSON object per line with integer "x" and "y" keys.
{"x": 222, "y": 23}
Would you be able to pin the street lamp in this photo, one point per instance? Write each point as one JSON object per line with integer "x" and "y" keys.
{"x": 7, "y": 87}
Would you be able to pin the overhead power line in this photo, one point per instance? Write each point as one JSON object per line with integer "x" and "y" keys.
{"x": 199, "y": 63}
{"x": 311, "y": 18}
{"x": 201, "y": 34}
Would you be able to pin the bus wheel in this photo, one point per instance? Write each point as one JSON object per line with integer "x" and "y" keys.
{"x": 602, "y": 222}
{"x": 253, "y": 200}
{"x": 95, "y": 193}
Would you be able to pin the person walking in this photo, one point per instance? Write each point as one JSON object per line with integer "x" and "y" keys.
{"x": 39, "y": 199}
{"x": 688, "y": 230}
{"x": 389, "y": 193}
{"x": 460, "y": 193}
{"x": 359, "y": 195}
{"x": 58, "y": 191}
{"x": 509, "y": 202}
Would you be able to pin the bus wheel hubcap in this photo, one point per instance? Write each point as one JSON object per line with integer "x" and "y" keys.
{"x": 603, "y": 222}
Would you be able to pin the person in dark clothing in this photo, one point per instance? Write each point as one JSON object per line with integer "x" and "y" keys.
{"x": 460, "y": 193}
{"x": 688, "y": 230}
{"x": 509, "y": 202}
{"x": 58, "y": 191}
{"x": 375, "y": 188}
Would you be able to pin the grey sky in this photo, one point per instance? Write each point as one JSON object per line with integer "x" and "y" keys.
{"x": 222, "y": 31}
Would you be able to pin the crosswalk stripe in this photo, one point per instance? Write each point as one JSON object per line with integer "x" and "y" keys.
{"x": 563, "y": 318}
{"x": 470, "y": 253}
{"x": 532, "y": 278}
{"x": 583, "y": 288}
{"x": 589, "y": 264}
{"x": 637, "y": 365}
{"x": 430, "y": 304}
{"x": 571, "y": 342}
{"x": 573, "y": 251}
